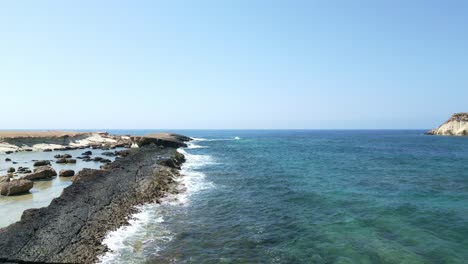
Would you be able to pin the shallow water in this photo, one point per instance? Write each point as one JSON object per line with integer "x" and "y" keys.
{"x": 309, "y": 197}
{"x": 12, "y": 207}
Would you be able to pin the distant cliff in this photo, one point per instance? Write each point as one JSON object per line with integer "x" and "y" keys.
{"x": 457, "y": 125}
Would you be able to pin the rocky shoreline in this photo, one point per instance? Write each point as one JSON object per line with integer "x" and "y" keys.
{"x": 72, "y": 227}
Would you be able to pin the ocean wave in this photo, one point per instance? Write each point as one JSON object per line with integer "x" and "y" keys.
{"x": 148, "y": 225}
{"x": 191, "y": 145}
{"x": 215, "y": 139}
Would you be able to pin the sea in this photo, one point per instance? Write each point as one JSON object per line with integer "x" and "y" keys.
{"x": 307, "y": 196}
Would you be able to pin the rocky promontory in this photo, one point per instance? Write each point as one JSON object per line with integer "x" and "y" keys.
{"x": 71, "y": 229}
{"x": 457, "y": 125}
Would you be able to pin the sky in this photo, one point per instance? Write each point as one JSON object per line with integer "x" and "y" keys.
{"x": 232, "y": 64}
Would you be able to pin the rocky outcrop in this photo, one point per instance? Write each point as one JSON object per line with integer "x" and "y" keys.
{"x": 14, "y": 187}
{"x": 457, "y": 125}
{"x": 72, "y": 227}
{"x": 161, "y": 139}
{"x": 40, "y": 173}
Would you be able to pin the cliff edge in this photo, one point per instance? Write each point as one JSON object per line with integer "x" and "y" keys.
{"x": 457, "y": 125}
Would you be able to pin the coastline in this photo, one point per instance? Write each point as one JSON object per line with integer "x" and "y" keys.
{"x": 71, "y": 229}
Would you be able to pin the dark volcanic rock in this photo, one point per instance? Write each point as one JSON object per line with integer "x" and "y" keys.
{"x": 66, "y": 173}
{"x": 64, "y": 156}
{"x": 11, "y": 170}
{"x": 65, "y": 160}
{"x": 166, "y": 140}
{"x": 73, "y": 226}
{"x": 41, "y": 163}
{"x": 87, "y": 153}
{"x": 123, "y": 153}
{"x": 15, "y": 187}
{"x": 98, "y": 158}
{"x": 7, "y": 159}
{"x": 47, "y": 150}
{"x": 43, "y": 172}
{"x": 8, "y": 152}
{"x": 108, "y": 153}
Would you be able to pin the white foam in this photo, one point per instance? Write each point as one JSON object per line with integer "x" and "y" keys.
{"x": 124, "y": 241}
{"x": 191, "y": 145}
{"x": 215, "y": 139}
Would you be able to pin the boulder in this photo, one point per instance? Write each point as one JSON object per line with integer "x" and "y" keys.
{"x": 108, "y": 153}
{"x": 105, "y": 161}
{"x": 64, "y": 156}
{"x": 24, "y": 170}
{"x": 4, "y": 179}
{"x": 70, "y": 160}
{"x": 47, "y": 150}
{"x": 123, "y": 153}
{"x": 43, "y": 172}
{"x": 41, "y": 163}
{"x": 66, "y": 173}
{"x": 15, "y": 187}
{"x": 7, "y": 159}
{"x": 70, "y": 148}
{"x": 87, "y": 153}
{"x": 97, "y": 159}
{"x": 11, "y": 170}
{"x": 8, "y": 152}
{"x": 61, "y": 161}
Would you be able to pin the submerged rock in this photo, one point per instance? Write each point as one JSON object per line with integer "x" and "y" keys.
{"x": 457, "y": 125}
{"x": 43, "y": 172}
{"x": 15, "y": 187}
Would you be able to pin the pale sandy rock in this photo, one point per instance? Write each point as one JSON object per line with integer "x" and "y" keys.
{"x": 457, "y": 125}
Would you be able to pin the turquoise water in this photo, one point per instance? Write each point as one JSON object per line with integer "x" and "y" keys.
{"x": 309, "y": 197}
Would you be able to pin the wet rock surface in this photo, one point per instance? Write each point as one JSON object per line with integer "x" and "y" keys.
{"x": 12, "y": 187}
{"x": 41, "y": 173}
{"x": 72, "y": 227}
{"x": 66, "y": 173}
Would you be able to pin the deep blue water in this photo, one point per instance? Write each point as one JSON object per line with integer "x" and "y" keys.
{"x": 374, "y": 196}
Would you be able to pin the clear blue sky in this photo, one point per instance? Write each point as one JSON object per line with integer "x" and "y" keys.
{"x": 232, "y": 64}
